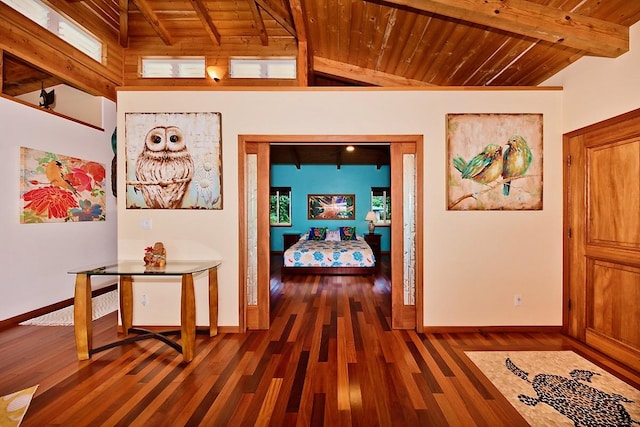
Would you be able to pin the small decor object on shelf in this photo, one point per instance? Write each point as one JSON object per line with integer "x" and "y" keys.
{"x": 372, "y": 218}
{"x": 155, "y": 256}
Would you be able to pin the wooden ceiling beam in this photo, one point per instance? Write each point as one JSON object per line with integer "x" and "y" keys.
{"x": 257, "y": 19}
{"x": 205, "y": 18}
{"x": 124, "y": 23}
{"x": 302, "y": 70}
{"x": 280, "y": 15}
{"x": 593, "y": 36}
{"x": 296, "y": 157}
{"x": 359, "y": 74}
{"x": 153, "y": 20}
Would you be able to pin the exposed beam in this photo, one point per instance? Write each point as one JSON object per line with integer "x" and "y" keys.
{"x": 302, "y": 70}
{"x": 365, "y": 75}
{"x": 153, "y": 20}
{"x": 296, "y": 157}
{"x": 257, "y": 18}
{"x": 593, "y": 36}
{"x": 124, "y": 23}
{"x": 278, "y": 13}
{"x": 203, "y": 15}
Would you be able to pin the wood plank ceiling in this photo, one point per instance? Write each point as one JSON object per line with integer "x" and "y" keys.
{"x": 357, "y": 42}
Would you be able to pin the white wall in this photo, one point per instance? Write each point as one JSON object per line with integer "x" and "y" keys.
{"x": 596, "y": 89}
{"x": 72, "y": 103}
{"x": 474, "y": 262}
{"x": 35, "y": 258}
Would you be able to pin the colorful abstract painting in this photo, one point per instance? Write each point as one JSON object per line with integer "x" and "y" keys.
{"x": 58, "y": 188}
{"x": 494, "y": 161}
{"x": 173, "y": 160}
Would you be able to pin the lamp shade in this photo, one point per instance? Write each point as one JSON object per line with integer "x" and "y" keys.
{"x": 371, "y": 216}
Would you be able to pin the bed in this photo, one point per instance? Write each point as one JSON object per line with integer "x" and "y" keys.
{"x": 330, "y": 255}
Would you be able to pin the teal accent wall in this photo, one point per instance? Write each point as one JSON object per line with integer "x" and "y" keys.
{"x": 327, "y": 179}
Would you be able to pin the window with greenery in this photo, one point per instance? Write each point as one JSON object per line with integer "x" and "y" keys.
{"x": 280, "y": 206}
{"x": 381, "y": 203}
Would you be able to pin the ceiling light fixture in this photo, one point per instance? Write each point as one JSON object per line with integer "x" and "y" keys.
{"x": 350, "y": 148}
{"x": 213, "y": 73}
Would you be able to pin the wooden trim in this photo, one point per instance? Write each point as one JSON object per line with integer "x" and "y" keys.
{"x": 617, "y": 350}
{"x": 491, "y": 329}
{"x": 165, "y": 88}
{"x": 16, "y": 320}
{"x": 230, "y": 330}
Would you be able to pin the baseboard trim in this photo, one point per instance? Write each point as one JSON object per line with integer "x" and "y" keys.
{"x": 16, "y": 320}
{"x": 491, "y": 329}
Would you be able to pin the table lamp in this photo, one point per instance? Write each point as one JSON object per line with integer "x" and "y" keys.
{"x": 372, "y": 218}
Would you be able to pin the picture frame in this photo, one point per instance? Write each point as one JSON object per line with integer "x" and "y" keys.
{"x": 494, "y": 161}
{"x": 173, "y": 160}
{"x": 331, "y": 206}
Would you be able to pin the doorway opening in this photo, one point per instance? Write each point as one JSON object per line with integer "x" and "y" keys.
{"x": 406, "y": 228}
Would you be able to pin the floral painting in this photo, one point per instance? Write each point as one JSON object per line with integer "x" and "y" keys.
{"x": 58, "y": 188}
{"x": 494, "y": 161}
{"x": 173, "y": 161}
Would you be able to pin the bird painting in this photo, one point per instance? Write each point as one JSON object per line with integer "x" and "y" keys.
{"x": 484, "y": 168}
{"x": 164, "y": 168}
{"x": 516, "y": 161}
{"x": 53, "y": 172}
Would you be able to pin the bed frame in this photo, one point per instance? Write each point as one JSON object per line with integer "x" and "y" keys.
{"x": 335, "y": 271}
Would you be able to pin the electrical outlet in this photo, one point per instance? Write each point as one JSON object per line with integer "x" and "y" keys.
{"x": 144, "y": 300}
{"x": 517, "y": 300}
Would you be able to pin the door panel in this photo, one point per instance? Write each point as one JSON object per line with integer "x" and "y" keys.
{"x": 602, "y": 245}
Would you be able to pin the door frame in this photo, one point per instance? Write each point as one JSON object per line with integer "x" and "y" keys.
{"x": 579, "y": 251}
{"x": 257, "y": 316}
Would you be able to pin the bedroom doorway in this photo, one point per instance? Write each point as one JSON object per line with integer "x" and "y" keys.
{"x": 254, "y": 227}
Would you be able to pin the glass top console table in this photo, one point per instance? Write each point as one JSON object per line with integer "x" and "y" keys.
{"x": 82, "y": 314}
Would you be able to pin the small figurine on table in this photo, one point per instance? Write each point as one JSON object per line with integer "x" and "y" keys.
{"x": 155, "y": 256}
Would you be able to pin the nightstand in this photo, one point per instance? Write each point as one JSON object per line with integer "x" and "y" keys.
{"x": 289, "y": 239}
{"x": 374, "y": 241}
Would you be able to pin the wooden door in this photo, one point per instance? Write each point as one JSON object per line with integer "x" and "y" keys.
{"x": 602, "y": 242}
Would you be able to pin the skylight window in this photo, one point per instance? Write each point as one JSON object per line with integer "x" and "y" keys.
{"x": 188, "y": 67}
{"x": 265, "y": 68}
{"x": 59, "y": 25}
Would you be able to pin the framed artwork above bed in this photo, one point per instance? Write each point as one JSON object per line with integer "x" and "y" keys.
{"x": 332, "y": 206}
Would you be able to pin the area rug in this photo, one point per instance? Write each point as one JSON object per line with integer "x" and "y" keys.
{"x": 559, "y": 388}
{"x": 101, "y": 305}
{"x": 13, "y": 406}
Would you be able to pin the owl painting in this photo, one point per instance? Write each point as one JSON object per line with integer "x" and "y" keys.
{"x": 164, "y": 168}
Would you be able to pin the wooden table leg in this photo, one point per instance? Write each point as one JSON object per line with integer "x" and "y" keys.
{"x": 188, "y": 318}
{"x": 126, "y": 303}
{"x": 82, "y": 316}
{"x": 213, "y": 302}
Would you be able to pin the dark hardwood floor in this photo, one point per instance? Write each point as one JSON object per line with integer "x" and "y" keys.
{"x": 330, "y": 358}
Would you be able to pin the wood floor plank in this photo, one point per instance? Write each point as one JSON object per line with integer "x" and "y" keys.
{"x": 329, "y": 359}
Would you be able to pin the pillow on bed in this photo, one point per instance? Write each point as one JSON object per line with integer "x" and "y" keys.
{"x": 347, "y": 233}
{"x": 333, "y": 236}
{"x": 317, "y": 233}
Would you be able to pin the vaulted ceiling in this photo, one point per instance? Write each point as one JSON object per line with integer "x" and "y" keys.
{"x": 357, "y": 42}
